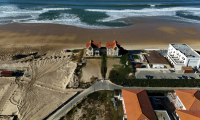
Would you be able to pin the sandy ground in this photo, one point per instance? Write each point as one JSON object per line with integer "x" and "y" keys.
{"x": 39, "y": 91}
{"x": 92, "y": 68}
{"x": 110, "y": 63}
{"x": 38, "y": 102}
{"x": 29, "y": 104}
{"x": 144, "y": 33}
{"x": 56, "y": 70}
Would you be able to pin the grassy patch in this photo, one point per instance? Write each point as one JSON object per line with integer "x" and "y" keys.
{"x": 122, "y": 71}
{"x": 172, "y": 66}
{"x": 70, "y": 113}
{"x": 98, "y": 104}
{"x": 77, "y": 55}
{"x": 76, "y": 50}
{"x": 135, "y": 56}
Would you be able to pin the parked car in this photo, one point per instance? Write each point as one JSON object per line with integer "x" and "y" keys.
{"x": 147, "y": 76}
{"x": 150, "y": 77}
{"x": 178, "y": 77}
{"x": 185, "y": 77}
{"x": 190, "y": 77}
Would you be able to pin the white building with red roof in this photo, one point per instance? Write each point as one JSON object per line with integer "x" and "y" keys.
{"x": 93, "y": 48}
{"x": 113, "y": 48}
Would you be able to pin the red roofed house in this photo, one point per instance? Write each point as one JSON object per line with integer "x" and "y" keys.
{"x": 188, "y": 115}
{"x": 187, "y": 99}
{"x": 93, "y": 48}
{"x": 113, "y": 48}
{"x": 136, "y": 105}
{"x": 187, "y": 103}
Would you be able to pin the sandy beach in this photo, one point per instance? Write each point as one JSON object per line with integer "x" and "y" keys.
{"x": 152, "y": 34}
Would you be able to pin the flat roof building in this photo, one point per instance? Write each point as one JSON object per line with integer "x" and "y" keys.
{"x": 183, "y": 55}
{"x": 162, "y": 115}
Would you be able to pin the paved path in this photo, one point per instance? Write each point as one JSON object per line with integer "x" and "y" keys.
{"x": 102, "y": 85}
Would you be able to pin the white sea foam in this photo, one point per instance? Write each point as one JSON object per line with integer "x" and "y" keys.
{"x": 11, "y": 13}
{"x": 117, "y": 14}
{"x": 48, "y": 9}
{"x": 68, "y": 19}
{"x": 14, "y": 11}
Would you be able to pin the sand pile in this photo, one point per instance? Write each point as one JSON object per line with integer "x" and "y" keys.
{"x": 42, "y": 87}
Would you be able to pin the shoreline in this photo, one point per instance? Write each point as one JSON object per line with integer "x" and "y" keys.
{"x": 154, "y": 33}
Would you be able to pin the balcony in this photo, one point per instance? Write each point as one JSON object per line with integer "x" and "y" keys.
{"x": 175, "y": 60}
{"x": 173, "y": 99}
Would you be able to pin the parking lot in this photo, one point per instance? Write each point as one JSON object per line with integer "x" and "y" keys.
{"x": 164, "y": 74}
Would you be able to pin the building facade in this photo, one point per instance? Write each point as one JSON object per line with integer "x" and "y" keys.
{"x": 174, "y": 98}
{"x": 93, "y": 48}
{"x": 113, "y": 48}
{"x": 182, "y": 55}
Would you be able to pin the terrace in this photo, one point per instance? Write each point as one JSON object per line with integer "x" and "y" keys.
{"x": 176, "y": 60}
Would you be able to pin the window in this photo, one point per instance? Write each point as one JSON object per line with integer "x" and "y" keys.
{"x": 115, "y": 48}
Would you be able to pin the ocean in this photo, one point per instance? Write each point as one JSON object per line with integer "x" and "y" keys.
{"x": 96, "y": 14}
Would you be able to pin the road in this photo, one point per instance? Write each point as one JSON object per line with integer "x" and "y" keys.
{"x": 102, "y": 85}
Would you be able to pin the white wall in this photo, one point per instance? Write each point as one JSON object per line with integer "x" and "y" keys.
{"x": 179, "y": 103}
{"x": 158, "y": 66}
{"x": 187, "y": 61}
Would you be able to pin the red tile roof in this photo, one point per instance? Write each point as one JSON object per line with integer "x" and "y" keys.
{"x": 189, "y": 98}
{"x": 93, "y": 44}
{"x": 137, "y": 105}
{"x": 188, "y": 115}
{"x": 112, "y": 44}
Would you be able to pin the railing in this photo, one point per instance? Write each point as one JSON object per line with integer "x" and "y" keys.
{"x": 171, "y": 59}
{"x": 175, "y": 61}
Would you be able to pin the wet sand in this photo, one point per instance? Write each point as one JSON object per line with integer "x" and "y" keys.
{"x": 152, "y": 34}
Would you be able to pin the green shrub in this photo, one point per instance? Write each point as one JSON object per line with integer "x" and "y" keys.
{"x": 156, "y": 82}
{"x": 103, "y": 65}
{"x": 135, "y": 56}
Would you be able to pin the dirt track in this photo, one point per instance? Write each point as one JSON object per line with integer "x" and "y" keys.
{"x": 41, "y": 89}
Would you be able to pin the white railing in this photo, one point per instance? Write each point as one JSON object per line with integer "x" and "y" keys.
{"x": 171, "y": 59}
{"x": 174, "y": 61}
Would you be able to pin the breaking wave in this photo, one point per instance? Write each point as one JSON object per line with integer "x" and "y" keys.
{"x": 70, "y": 16}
